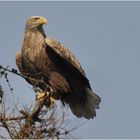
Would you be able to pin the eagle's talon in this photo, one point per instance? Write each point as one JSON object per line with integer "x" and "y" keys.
{"x": 49, "y": 100}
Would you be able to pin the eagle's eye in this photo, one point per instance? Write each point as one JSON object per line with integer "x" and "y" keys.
{"x": 36, "y": 18}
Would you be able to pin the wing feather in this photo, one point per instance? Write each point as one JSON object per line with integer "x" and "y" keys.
{"x": 65, "y": 53}
{"x": 66, "y": 61}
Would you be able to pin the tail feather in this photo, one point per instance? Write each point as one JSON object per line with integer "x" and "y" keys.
{"x": 86, "y": 109}
{"x": 93, "y": 99}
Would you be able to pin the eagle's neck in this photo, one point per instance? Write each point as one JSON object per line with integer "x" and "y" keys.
{"x": 35, "y": 29}
{"x": 40, "y": 28}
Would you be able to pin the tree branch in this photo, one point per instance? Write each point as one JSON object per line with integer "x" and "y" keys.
{"x": 6, "y": 118}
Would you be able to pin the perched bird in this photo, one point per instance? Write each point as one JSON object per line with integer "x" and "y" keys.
{"x": 48, "y": 62}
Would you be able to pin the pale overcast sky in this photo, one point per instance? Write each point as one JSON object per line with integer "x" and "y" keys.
{"x": 105, "y": 37}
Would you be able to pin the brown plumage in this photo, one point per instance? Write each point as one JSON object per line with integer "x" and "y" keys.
{"x": 46, "y": 59}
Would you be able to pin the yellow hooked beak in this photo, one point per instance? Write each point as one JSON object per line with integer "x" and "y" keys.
{"x": 42, "y": 20}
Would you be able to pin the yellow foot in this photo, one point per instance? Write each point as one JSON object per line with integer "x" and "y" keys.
{"x": 39, "y": 96}
{"x": 49, "y": 102}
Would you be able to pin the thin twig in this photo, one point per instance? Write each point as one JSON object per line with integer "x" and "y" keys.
{"x": 24, "y": 75}
{"x": 5, "y": 125}
{"x": 11, "y": 118}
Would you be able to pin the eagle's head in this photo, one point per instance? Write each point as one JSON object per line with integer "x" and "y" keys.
{"x": 35, "y": 22}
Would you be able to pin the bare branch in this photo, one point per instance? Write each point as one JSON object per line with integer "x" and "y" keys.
{"x": 33, "y": 121}
{"x": 6, "y": 118}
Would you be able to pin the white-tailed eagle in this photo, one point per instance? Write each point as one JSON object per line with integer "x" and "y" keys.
{"x": 47, "y": 60}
